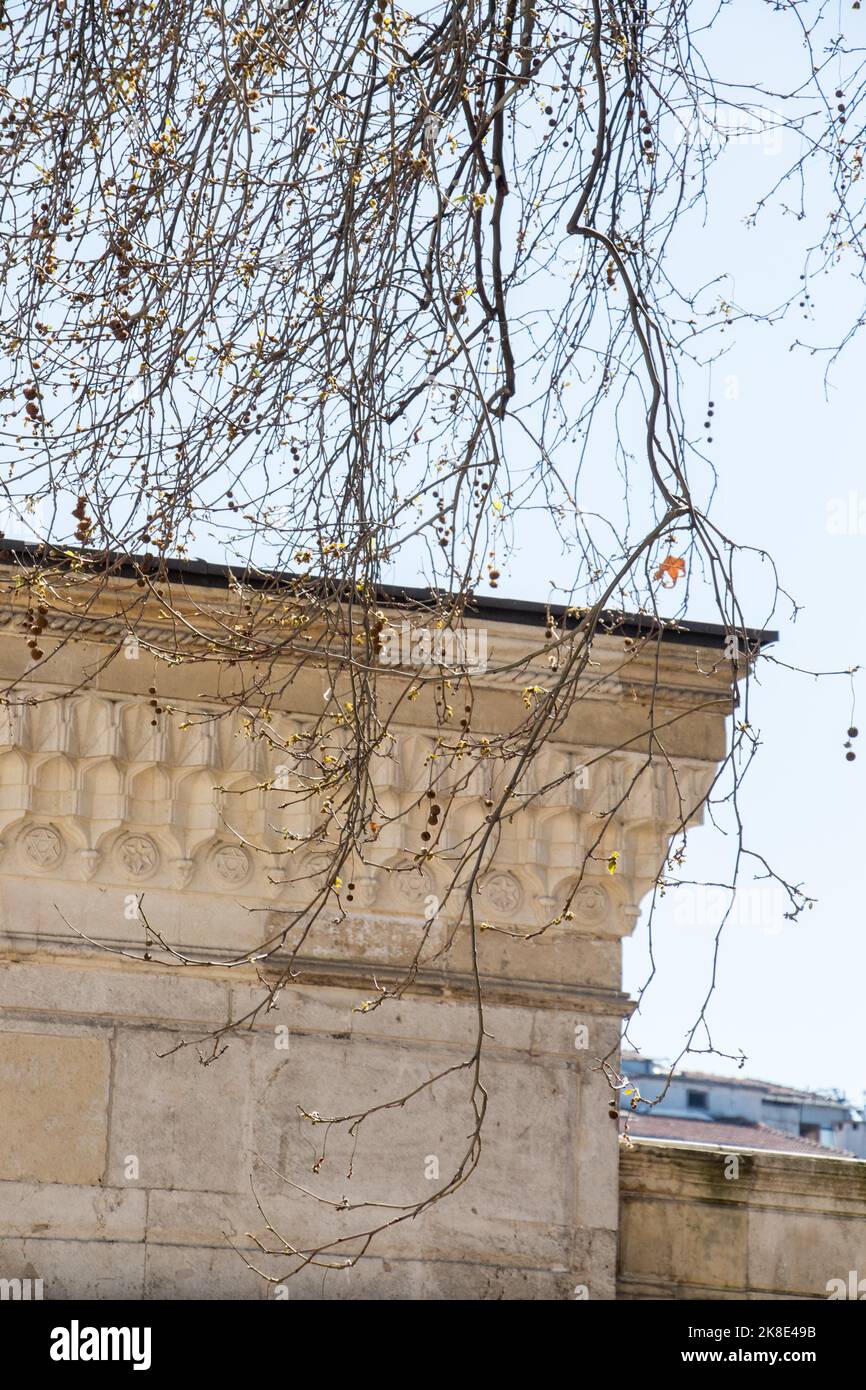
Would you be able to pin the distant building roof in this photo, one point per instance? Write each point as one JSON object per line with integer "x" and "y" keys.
{"x": 770, "y": 1088}
{"x": 729, "y": 1134}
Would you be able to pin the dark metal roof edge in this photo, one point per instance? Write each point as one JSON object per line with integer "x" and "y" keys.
{"x": 529, "y": 612}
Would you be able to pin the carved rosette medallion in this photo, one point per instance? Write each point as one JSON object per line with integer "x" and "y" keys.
{"x": 138, "y": 855}
{"x": 591, "y": 904}
{"x": 503, "y": 891}
{"x": 414, "y": 883}
{"x": 232, "y": 863}
{"x": 43, "y": 846}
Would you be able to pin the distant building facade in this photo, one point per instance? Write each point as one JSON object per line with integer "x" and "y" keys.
{"x": 699, "y": 1107}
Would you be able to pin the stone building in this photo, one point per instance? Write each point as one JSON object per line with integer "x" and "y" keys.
{"x": 132, "y": 1167}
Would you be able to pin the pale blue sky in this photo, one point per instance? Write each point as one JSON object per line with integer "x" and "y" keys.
{"x": 789, "y": 995}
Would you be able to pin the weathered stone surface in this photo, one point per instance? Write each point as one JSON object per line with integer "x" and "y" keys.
{"x": 62, "y": 1211}
{"x": 196, "y": 1272}
{"x": 781, "y": 1226}
{"x": 54, "y": 1103}
{"x": 186, "y": 1124}
{"x": 102, "y": 989}
{"x": 70, "y": 1269}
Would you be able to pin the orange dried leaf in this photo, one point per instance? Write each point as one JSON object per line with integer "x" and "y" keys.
{"x": 673, "y": 567}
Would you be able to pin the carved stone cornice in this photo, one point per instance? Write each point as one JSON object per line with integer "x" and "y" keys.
{"x": 107, "y": 798}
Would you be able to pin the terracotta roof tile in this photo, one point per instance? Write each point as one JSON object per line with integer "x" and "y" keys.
{"x": 728, "y": 1134}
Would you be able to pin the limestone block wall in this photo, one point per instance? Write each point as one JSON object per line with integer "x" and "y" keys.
{"x": 124, "y": 1165}
{"x": 709, "y": 1223}
{"x": 134, "y": 1167}
{"x": 126, "y": 1174}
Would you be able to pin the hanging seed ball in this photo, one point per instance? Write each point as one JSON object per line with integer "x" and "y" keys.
{"x": 849, "y": 757}
{"x": 852, "y": 732}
